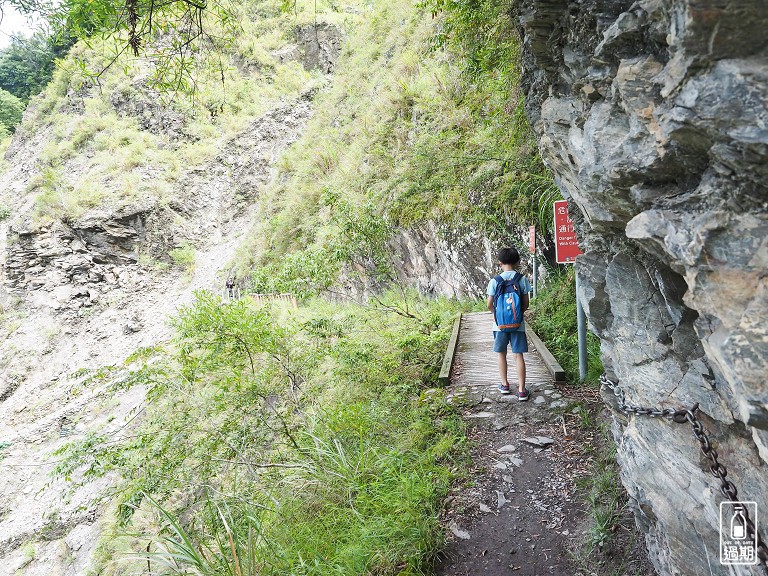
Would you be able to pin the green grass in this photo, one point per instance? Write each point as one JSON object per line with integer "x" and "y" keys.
{"x": 184, "y": 256}
{"x": 102, "y": 156}
{"x": 405, "y": 133}
{"x": 608, "y": 542}
{"x": 299, "y": 442}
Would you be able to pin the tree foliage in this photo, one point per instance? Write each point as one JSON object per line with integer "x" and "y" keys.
{"x": 176, "y": 35}
{"x": 301, "y": 440}
{"x": 11, "y": 109}
{"x": 27, "y": 65}
{"x": 483, "y": 30}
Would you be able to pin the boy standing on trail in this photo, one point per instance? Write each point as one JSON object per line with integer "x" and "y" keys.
{"x": 510, "y": 290}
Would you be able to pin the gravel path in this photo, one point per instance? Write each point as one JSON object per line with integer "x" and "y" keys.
{"x": 519, "y": 512}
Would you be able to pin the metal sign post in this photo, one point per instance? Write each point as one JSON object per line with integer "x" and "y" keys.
{"x": 566, "y": 250}
{"x": 532, "y": 247}
{"x": 581, "y": 329}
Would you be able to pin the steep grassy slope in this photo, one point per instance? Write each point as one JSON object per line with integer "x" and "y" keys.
{"x": 406, "y": 134}
{"x": 114, "y": 139}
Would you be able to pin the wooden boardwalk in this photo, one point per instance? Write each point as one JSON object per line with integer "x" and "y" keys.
{"x": 516, "y": 514}
{"x": 476, "y": 363}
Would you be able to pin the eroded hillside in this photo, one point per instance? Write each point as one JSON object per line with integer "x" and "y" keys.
{"x": 343, "y": 156}
{"x": 120, "y": 207}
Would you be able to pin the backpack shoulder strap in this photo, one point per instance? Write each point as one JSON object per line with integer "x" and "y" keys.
{"x": 496, "y": 295}
{"x": 499, "y": 280}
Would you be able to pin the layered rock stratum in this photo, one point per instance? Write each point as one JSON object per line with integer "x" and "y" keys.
{"x": 82, "y": 292}
{"x": 653, "y": 115}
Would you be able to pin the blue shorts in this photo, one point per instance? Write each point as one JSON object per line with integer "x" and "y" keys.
{"x": 518, "y": 341}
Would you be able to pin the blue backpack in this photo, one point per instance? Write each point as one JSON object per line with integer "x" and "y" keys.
{"x": 508, "y": 303}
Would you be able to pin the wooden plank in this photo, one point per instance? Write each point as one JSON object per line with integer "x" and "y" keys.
{"x": 450, "y": 352}
{"x": 479, "y": 366}
{"x": 558, "y": 374}
{"x": 287, "y": 298}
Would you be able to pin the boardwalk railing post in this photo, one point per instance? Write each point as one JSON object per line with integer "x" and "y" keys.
{"x": 450, "y": 351}
{"x": 549, "y": 361}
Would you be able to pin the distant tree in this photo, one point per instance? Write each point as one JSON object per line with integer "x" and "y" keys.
{"x": 11, "y": 109}
{"x": 27, "y": 65}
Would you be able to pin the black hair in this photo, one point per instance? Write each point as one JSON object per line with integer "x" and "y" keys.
{"x": 508, "y": 256}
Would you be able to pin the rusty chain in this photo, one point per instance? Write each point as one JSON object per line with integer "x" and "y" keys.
{"x": 681, "y": 416}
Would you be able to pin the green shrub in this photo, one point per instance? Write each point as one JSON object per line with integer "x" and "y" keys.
{"x": 183, "y": 256}
{"x": 11, "y": 110}
{"x": 298, "y": 441}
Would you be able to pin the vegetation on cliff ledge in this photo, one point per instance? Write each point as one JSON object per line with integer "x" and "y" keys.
{"x": 409, "y": 134}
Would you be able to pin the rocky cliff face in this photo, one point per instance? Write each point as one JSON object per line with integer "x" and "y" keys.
{"x": 446, "y": 262}
{"x": 317, "y": 47}
{"x": 654, "y": 117}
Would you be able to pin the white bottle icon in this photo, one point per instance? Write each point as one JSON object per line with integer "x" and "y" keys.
{"x": 738, "y": 525}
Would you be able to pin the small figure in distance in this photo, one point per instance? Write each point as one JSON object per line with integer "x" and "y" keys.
{"x": 230, "y": 287}
{"x": 508, "y": 299}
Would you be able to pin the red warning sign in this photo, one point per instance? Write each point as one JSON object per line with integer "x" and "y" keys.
{"x": 532, "y": 240}
{"x": 566, "y": 243}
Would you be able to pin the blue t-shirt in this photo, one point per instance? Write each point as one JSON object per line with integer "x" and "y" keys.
{"x": 525, "y": 287}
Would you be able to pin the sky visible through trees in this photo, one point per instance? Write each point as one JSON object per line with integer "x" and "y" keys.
{"x": 14, "y": 24}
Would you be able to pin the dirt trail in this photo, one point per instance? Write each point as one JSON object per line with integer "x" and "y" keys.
{"x": 520, "y": 512}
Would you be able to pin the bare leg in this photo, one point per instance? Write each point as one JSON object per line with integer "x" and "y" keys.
{"x": 503, "y": 368}
{"x": 520, "y": 365}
